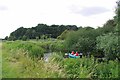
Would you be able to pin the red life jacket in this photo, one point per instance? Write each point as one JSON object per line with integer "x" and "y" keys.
{"x": 73, "y": 52}
{"x": 76, "y": 54}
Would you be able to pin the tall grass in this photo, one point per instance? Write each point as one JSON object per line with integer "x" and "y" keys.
{"x": 18, "y": 63}
{"x": 86, "y": 68}
{"x": 32, "y": 48}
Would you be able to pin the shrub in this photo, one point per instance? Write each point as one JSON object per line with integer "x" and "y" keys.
{"x": 33, "y": 49}
{"x": 36, "y": 51}
{"x": 109, "y": 44}
{"x": 81, "y": 40}
{"x": 24, "y": 38}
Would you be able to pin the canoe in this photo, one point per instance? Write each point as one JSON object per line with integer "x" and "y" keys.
{"x": 73, "y": 56}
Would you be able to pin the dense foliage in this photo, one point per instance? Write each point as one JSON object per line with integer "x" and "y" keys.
{"x": 109, "y": 44}
{"x": 30, "y": 48}
{"x": 101, "y": 41}
{"x": 85, "y": 68}
{"x": 40, "y": 31}
{"x": 81, "y": 40}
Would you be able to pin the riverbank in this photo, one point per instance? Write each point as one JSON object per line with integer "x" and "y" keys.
{"x": 17, "y": 63}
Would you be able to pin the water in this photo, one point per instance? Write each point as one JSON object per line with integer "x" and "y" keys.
{"x": 46, "y": 56}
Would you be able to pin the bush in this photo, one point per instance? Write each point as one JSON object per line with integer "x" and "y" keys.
{"x": 57, "y": 46}
{"x": 24, "y": 38}
{"x": 109, "y": 44}
{"x": 86, "y": 68}
{"x": 36, "y": 51}
{"x": 70, "y": 41}
{"x": 33, "y": 49}
{"x": 81, "y": 40}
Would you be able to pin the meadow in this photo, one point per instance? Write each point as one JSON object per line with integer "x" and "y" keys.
{"x": 24, "y": 59}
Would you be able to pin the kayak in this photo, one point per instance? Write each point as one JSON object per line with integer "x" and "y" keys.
{"x": 73, "y": 56}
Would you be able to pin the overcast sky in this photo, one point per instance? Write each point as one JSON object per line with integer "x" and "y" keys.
{"x": 28, "y": 13}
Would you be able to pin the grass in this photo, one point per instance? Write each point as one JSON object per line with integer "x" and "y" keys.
{"x": 0, "y": 59}
{"x": 16, "y": 63}
{"x": 86, "y": 68}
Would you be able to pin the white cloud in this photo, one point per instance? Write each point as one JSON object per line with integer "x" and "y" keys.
{"x": 28, "y": 13}
{"x": 89, "y": 11}
{"x": 3, "y": 8}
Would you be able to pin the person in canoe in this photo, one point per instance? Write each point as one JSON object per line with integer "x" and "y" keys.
{"x": 73, "y": 53}
{"x": 76, "y": 54}
{"x": 81, "y": 54}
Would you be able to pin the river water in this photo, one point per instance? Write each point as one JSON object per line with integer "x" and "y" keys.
{"x": 46, "y": 56}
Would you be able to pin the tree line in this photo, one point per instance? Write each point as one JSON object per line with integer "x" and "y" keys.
{"x": 39, "y": 31}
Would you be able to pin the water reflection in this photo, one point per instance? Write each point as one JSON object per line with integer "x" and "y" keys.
{"x": 46, "y": 56}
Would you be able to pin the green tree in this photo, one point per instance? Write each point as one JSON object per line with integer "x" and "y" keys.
{"x": 43, "y": 37}
{"x": 109, "y": 26}
{"x": 29, "y": 33}
{"x": 24, "y": 38}
{"x": 63, "y": 35}
{"x": 19, "y": 32}
{"x": 41, "y": 29}
{"x": 109, "y": 44}
{"x": 12, "y": 38}
{"x": 6, "y": 38}
{"x": 81, "y": 40}
{"x": 118, "y": 25}
{"x": 37, "y": 38}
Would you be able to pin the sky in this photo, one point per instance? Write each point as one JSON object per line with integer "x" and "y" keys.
{"x": 29, "y": 13}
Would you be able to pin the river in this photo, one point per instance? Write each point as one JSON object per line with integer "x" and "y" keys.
{"x": 46, "y": 56}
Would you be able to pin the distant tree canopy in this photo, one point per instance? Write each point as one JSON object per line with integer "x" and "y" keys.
{"x": 52, "y": 31}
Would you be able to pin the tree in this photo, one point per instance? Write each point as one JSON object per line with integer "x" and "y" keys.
{"x": 37, "y": 38}
{"x": 109, "y": 26}
{"x": 12, "y": 38}
{"x": 28, "y": 33}
{"x": 43, "y": 37}
{"x": 109, "y": 44}
{"x": 24, "y": 38}
{"x": 118, "y": 26}
{"x": 19, "y": 32}
{"x": 63, "y": 35}
{"x": 41, "y": 29}
{"x": 118, "y": 18}
{"x": 81, "y": 40}
{"x": 6, "y": 38}
{"x": 33, "y": 34}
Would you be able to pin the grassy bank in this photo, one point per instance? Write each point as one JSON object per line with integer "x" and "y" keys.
{"x": 19, "y": 60}
{"x": 18, "y": 64}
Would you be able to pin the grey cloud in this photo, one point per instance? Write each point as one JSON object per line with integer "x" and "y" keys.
{"x": 89, "y": 11}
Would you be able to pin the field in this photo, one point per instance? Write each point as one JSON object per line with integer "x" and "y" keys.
{"x": 24, "y": 59}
